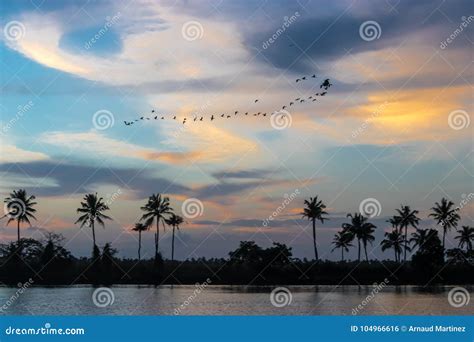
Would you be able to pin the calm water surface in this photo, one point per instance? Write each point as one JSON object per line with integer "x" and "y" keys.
{"x": 233, "y": 300}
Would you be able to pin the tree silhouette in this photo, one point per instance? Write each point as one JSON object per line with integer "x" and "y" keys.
{"x": 174, "y": 221}
{"x": 419, "y": 238}
{"x": 313, "y": 211}
{"x": 157, "y": 208}
{"x": 446, "y": 215}
{"x": 466, "y": 237}
{"x": 394, "y": 240}
{"x": 19, "y": 207}
{"x": 362, "y": 230}
{"x": 139, "y": 227}
{"x": 92, "y": 209}
{"x": 343, "y": 241}
{"x": 406, "y": 217}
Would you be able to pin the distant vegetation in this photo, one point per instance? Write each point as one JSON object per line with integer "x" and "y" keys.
{"x": 49, "y": 262}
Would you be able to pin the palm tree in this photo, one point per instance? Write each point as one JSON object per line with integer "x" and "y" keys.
{"x": 466, "y": 237}
{"x": 91, "y": 210}
{"x": 419, "y": 238}
{"x": 362, "y": 230}
{"x": 406, "y": 217}
{"x": 314, "y": 211}
{"x": 139, "y": 227}
{"x": 19, "y": 207}
{"x": 156, "y": 208}
{"x": 343, "y": 241}
{"x": 174, "y": 221}
{"x": 394, "y": 240}
{"x": 446, "y": 215}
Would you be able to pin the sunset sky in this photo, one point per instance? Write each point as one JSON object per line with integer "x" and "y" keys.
{"x": 383, "y": 131}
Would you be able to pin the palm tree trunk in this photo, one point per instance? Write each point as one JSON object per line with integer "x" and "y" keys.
{"x": 139, "y": 244}
{"x": 172, "y": 246}
{"x": 93, "y": 233}
{"x": 157, "y": 237}
{"x": 365, "y": 250}
{"x": 396, "y": 260}
{"x": 314, "y": 240}
{"x": 342, "y": 254}
{"x": 444, "y": 235}
{"x": 406, "y": 244}
{"x": 18, "y": 230}
{"x": 358, "y": 254}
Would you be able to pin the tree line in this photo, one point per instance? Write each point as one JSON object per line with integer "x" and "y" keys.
{"x": 19, "y": 207}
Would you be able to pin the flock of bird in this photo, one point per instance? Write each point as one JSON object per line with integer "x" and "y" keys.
{"x": 325, "y": 85}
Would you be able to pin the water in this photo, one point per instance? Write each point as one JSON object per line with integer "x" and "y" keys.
{"x": 233, "y": 300}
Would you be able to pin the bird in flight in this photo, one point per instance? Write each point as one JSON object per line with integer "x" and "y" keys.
{"x": 326, "y": 84}
{"x": 314, "y": 76}
{"x": 297, "y": 80}
{"x": 256, "y": 101}
{"x": 212, "y": 117}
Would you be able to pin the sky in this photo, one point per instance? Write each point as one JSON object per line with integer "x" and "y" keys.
{"x": 394, "y": 128}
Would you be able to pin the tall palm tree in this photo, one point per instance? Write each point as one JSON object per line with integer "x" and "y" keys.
{"x": 466, "y": 237}
{"x": 394, "y": 240}
{"x": 405, "y": 218}
{"x": 174, "y": 221}
{"x": 139, "y": 227}
{"x": 445, "y": 214}
{"x": 19, "y": 207}
{"x": 92, "y": 208}
{"x": 343, "y": 241}
{"x": 362, "y": 230}
{"x": 314, "y": 211}
{"x": 157, "y": 208}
